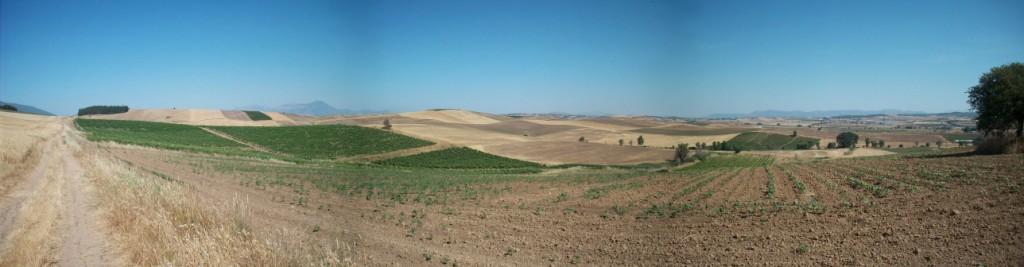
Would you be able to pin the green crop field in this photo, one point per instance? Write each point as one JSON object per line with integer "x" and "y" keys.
{"x": 323, "y": 141}
{"x": 732, "y": 161}
{"x": 257, "y": 116}
{"x": 769, "y": 141}
{"x": 458, "y": 158}
{"x": 160, "y": 135}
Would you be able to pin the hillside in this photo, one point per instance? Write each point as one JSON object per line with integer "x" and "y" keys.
{"x": 28, "y": 109}
{"x": 770, "y": 141}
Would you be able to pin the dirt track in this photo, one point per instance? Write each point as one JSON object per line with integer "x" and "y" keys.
{"x": 50, "y": 217}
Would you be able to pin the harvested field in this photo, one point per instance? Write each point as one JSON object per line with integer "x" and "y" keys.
{"x": 689, "y": 130}
{"x": 525, "y": 128}
{"x": 453, "y": 116}
{"x": 714, "y": 206}
{"x": 729, "y": 209}
{"x": 196, "y": 117}
{"x": 894, "y": 139}
{"x": 568, "y": 152}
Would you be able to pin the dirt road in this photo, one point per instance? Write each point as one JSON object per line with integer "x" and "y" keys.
{"x": 51, "y": 216}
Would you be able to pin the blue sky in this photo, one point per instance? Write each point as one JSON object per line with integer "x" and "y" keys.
{"x": 686, "y": 58}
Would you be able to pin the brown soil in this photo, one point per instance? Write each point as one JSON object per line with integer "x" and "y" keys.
{"x": 551, "y": 152}
{"x": 526, "y": 226}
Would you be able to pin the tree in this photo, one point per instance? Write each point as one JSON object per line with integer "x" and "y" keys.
{"x": 620, "y": 141}
{"x": 387, "y": 124}
{"x": 938, "y": 143}
{"x": 846, "y": 139}
{"x": 831, "y": 145}
{"x": 794, "y": 134}
{"x": 682, "y": 150}
{"x": 640, "y": 140}
{"x": 8, "y": 107}
{"x": 867, "y": 142}
{"x": 90, "y": 110}
{"x": 881, "y": 143}
{"x": 582, "y": 139}
{"x": 998, "y": 99}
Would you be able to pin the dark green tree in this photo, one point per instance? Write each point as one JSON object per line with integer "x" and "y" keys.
{"x": 682, "y": 150}
{"x": 8, "y": 107}
{"x": 846, "y": 139}
{"x": 999, "y": 99}
{"x": 92, "y": 110}
{"x": 640, "y": 140}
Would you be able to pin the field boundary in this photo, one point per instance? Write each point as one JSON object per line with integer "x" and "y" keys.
{"x": 397, "y": 153}
{"x": 236, "y": 140}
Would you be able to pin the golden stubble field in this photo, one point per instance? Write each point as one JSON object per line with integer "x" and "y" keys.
{"x": 69, "y": 201}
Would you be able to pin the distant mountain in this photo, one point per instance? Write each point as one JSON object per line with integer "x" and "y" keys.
{"x": 315, "y": 108}
{"x": 810, "y": 114}
{"x": 28, "y": 109}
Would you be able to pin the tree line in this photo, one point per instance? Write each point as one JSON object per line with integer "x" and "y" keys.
{"x": 95, "y": 110}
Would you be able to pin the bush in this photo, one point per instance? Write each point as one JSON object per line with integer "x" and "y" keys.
{"x": 94, "y": 110}
{"x": 701, "y": 155}
{"x": 999, "y": 145}
{"x": 846, "y": 139}
{"x": 8, "y": 107}
{"x": 682, "y": 150}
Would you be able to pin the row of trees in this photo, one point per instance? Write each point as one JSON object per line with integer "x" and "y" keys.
{"x": 8, "y": 107}
{"x": 639, "y": 141}
{"x": 94, "y": 110}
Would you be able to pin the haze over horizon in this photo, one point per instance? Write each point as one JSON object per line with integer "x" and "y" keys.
{"x": 680, "y": 58}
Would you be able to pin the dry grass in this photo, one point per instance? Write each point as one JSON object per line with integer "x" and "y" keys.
{"x": 22, "y": 135}
{"x": 161, "y": 222}
{"x": 32, "y": 241}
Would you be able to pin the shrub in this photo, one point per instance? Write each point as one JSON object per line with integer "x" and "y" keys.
{"x": 999, "y": 145}
{"x": 701, "y": 155}
{"x": 846, "y": 139}
{"x": 682, "y": 151}
{"x": 94, "y": 110}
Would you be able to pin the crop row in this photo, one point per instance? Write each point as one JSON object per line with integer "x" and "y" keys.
{"x": 160, "y": 135}
{"x": 458, "y": 158}
{"x": 323, "y": 141}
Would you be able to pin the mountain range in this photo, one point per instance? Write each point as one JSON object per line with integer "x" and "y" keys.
{"x": 27, "y": 109}
{"x": 315, "y": 108}
{"x": 811, "y": 114}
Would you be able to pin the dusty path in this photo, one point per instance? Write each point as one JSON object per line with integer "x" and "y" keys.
{"x": 236, "y": 140}
{"x": 84, "y": 243}
{"x": 50, "y": 217}
{"x": 10, "y": 205}
{"x": 399, "y": 153}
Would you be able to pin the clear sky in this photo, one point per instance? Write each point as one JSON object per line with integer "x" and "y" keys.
{"x": 686, "y": 58}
